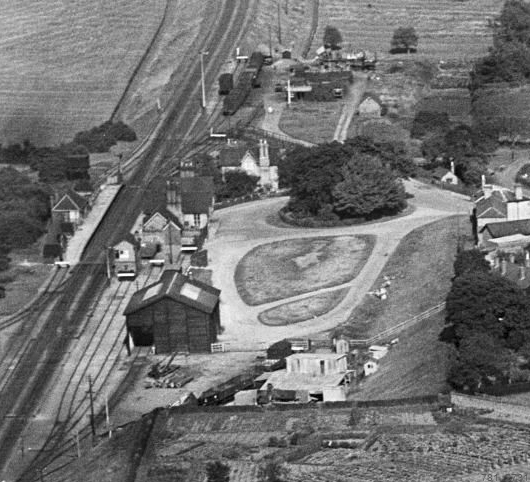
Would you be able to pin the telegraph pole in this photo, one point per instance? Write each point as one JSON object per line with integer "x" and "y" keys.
{"x": 270, "y": 41}
{"x": 202, "y": 53}
{"x": 92, "y": 418}
{"x": 279, "y": 25}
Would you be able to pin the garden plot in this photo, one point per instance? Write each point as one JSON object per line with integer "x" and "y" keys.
{"x": 283, "y": 269}
{"x": 65, "y": 65}
{"x": 304, "y": 309}
{"x": 446, "y": 29}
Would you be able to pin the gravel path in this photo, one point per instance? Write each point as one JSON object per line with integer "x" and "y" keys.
{"x": 241, "y": 228}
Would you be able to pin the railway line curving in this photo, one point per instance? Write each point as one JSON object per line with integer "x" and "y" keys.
{"x": 30, "y": 379}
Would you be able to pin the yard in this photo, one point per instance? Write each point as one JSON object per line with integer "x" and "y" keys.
{"x": 304, "y": 309}
{"x": 311, "y": 121}
{"x": 284, "y": 269}
{"x": 65, "y": 65}
{"x": 420, "y": 269}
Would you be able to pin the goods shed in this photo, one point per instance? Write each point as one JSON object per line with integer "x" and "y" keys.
{"x": 176, "y": 314}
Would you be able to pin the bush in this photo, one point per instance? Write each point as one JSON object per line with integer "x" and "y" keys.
{"x": 427, "y": 122}
{"x": 103, "y": 137}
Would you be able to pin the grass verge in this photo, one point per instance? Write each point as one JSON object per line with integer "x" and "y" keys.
{"x": 302, "y": 310}
{"x": 283, "y": 269}
{"x": 422, "y": 268}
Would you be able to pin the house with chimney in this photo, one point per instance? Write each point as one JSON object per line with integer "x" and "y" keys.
{"x": 259, "y": 161}
{"x": 512, "y": 266}
{"x": 68, "y": 210}
{"x": 446, "y": 176}
{"x": 160, "y": 233}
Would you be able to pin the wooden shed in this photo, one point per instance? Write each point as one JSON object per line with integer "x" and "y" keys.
{"x": 176, "y": 314}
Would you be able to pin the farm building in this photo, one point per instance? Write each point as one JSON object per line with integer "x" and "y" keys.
{"x": 324, "y": 376}
{"x": 125, "y": 257}
{"x": 443, "y": 175}
{"x": 175, "y": 314}
{"x": 70, "y": 207}
{"x": 508, "y": 235}
{"x": 371, "y": 105}
{"x": 254, "y": 160}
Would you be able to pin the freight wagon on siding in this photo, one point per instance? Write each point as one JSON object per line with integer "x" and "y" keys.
{"x": 176, "y": 314}
{"x": 226, "y": 83}
{"x": 225, "y": 392}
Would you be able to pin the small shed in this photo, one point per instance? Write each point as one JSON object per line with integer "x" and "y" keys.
{"x": 70, "y": 207}
{"x": 176, "y": 314}
{"x": 126, "y": 257}
{"x": 371, "y": 105}
{"x": 444, "y": 175}
{"x": 279, "y": 350}
{"x": 370, "y": 366}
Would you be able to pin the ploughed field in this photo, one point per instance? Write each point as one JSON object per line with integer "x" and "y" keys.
{"x": 65, "y": 64}
{"x": 446, "y": 28}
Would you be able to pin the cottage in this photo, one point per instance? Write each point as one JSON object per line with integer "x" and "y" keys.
{"x": 175, "y": 314}
{"x": 162, "y": 230}
{"x": 260, "y": 161}
{"x": 324, "y": 376}
{"x": 505, "y": 235}
{"x": 125, "y": 259}
{"x": 370, "y": 366}
{"x": 445, "y": 176}
{"x": 371, "y": 106}
{"x": 70, "y": 208}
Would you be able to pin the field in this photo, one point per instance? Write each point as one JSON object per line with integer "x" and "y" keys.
{"x": 446, "y": 29}
{"x": 65, "y": 65}
{"x": 403, "y": 443}
{"x": 302, "y": 310}
{"x": 422, "y": 268}
{"x": 311, "y": 121}
{"x": 283, "y": 269}
{"x": 456, "y": 102}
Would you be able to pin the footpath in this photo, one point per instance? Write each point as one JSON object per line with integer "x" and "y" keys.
{"x": 80, "y": 239}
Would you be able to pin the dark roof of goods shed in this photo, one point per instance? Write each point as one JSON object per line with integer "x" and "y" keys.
{"x": 179, "y": 288}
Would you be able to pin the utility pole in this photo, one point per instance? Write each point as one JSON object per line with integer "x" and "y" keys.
{"x": 202, "y": 53}
{"x": 107, "y": 416}
{"x": 270, "y": 41}
{"x": 169, "y": 242}
{"x": 92, "y": 418}
{"x": 279, "y": 25}
{"x": 107, "y": 262}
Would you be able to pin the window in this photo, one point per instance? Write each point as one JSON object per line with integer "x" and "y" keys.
{"x": 322, "y": 367}
{"x": 197, "y": 219}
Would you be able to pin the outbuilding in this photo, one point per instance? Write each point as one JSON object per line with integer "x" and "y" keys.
{"x": 371, "y": 105}
{"x": 176, "y": 314}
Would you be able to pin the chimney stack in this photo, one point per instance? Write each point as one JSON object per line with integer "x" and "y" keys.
{"x": 527, "y": 259}
{"x": 483, "y": 180}
{"x": 512, "y": 258}
{"x": 487, "y": 189}
{"x": 522, "y": 272}
{"x": 518, "y": 189}
{"x": 503, "y": 267}
{"x": 263, "y": 153}
{"x": 453, "y": 167}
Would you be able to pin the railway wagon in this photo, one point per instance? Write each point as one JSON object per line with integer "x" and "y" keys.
{"x": 225, "y": 392}
{"x": 226, "y": 83}
{"x": 237, "y": 96}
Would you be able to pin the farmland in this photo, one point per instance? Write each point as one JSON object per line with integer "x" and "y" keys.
{"x": 283, "y": 269}
{"x": 65, "y": 65}
{"x": 446, "y": 29}
{"x": 456, "y": 102}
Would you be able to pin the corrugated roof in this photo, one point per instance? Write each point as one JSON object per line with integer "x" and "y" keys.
{"x": 508, "y": 228}
{"x": 178, "y": 287}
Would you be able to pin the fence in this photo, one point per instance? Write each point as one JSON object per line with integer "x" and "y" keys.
{"x": 399, "y": 327}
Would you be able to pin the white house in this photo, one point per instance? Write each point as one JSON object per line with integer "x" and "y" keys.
{"x": 370, "y": 366}
{"x": 370, "y": 106}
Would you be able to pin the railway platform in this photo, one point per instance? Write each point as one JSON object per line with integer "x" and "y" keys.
{"x": 80, "y": 239}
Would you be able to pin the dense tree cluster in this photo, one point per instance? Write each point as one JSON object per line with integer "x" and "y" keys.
{"x": 488, "y": 323}
{"x": 24, "y": 209}
{"x": 509, "y": 58}
{"x": 404, "y": 40}
{"x": 103, "y": 137}
{"x": 332, "y": 36}
{"x": 357, "y": 179}
{"x": 236, "y": 184}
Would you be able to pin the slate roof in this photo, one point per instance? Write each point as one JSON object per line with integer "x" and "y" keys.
{"x": 166, "y": 213}
{"x": 492, "y": 207}
{"x": 508, "y": 228}
{"x": 71, "y": 201}
{"x": 370, "y": 95}
{"x": 178, "y": 287}
{"x": 197, "y": 194}
{"x": 129, "y": 238}
{"x": 231, "y": 156}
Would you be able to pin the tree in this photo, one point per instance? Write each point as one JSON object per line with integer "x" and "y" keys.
{"x": 272, "y": 471}
{"x": 368, "y": 189}
{"x": 404, "y": 39}
{"x": 332, "y": 36}
{"x": 470, "y": 261}
{"x": 217, "y": 472}
{"x": 428, "y": 122}
{"x": 237, "y": 183}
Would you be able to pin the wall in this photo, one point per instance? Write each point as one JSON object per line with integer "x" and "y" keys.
{"x": 312, "y": 365}
{"x": 518, "y": 210}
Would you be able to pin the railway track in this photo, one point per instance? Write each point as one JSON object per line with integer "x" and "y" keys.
{"x": 36, "y": 370}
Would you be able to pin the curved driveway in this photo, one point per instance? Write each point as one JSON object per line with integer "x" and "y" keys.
{"x": 238, "y": 229}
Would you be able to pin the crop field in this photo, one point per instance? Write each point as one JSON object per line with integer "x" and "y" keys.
{"x": 65, "y": 64}
{"x": 283, "y": 269}
{"x": 456, "y": 102}
{"x": 311, "y": 121}
{"x": 446, "y": 29}
{"x": 304, "y": 309}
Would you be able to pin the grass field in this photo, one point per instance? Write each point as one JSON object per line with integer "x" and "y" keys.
{"x": 302, "y": 310}
{"x": 446, "y": 29}
{"x": 65, "y": 64}
{"x": 311, "y": 121}
{"x": 422, "y": 266}
{"x": 456, "y": 102}
{"x": 283, "y": 269}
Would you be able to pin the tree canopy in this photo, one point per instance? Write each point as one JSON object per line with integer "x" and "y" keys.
{"x": 404, "y": 39}
{"x": 332, "y": 36}
{"x": 354, "y": 179}
{"x": 237, "y": 183}
{"x": 217, "y": 472}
